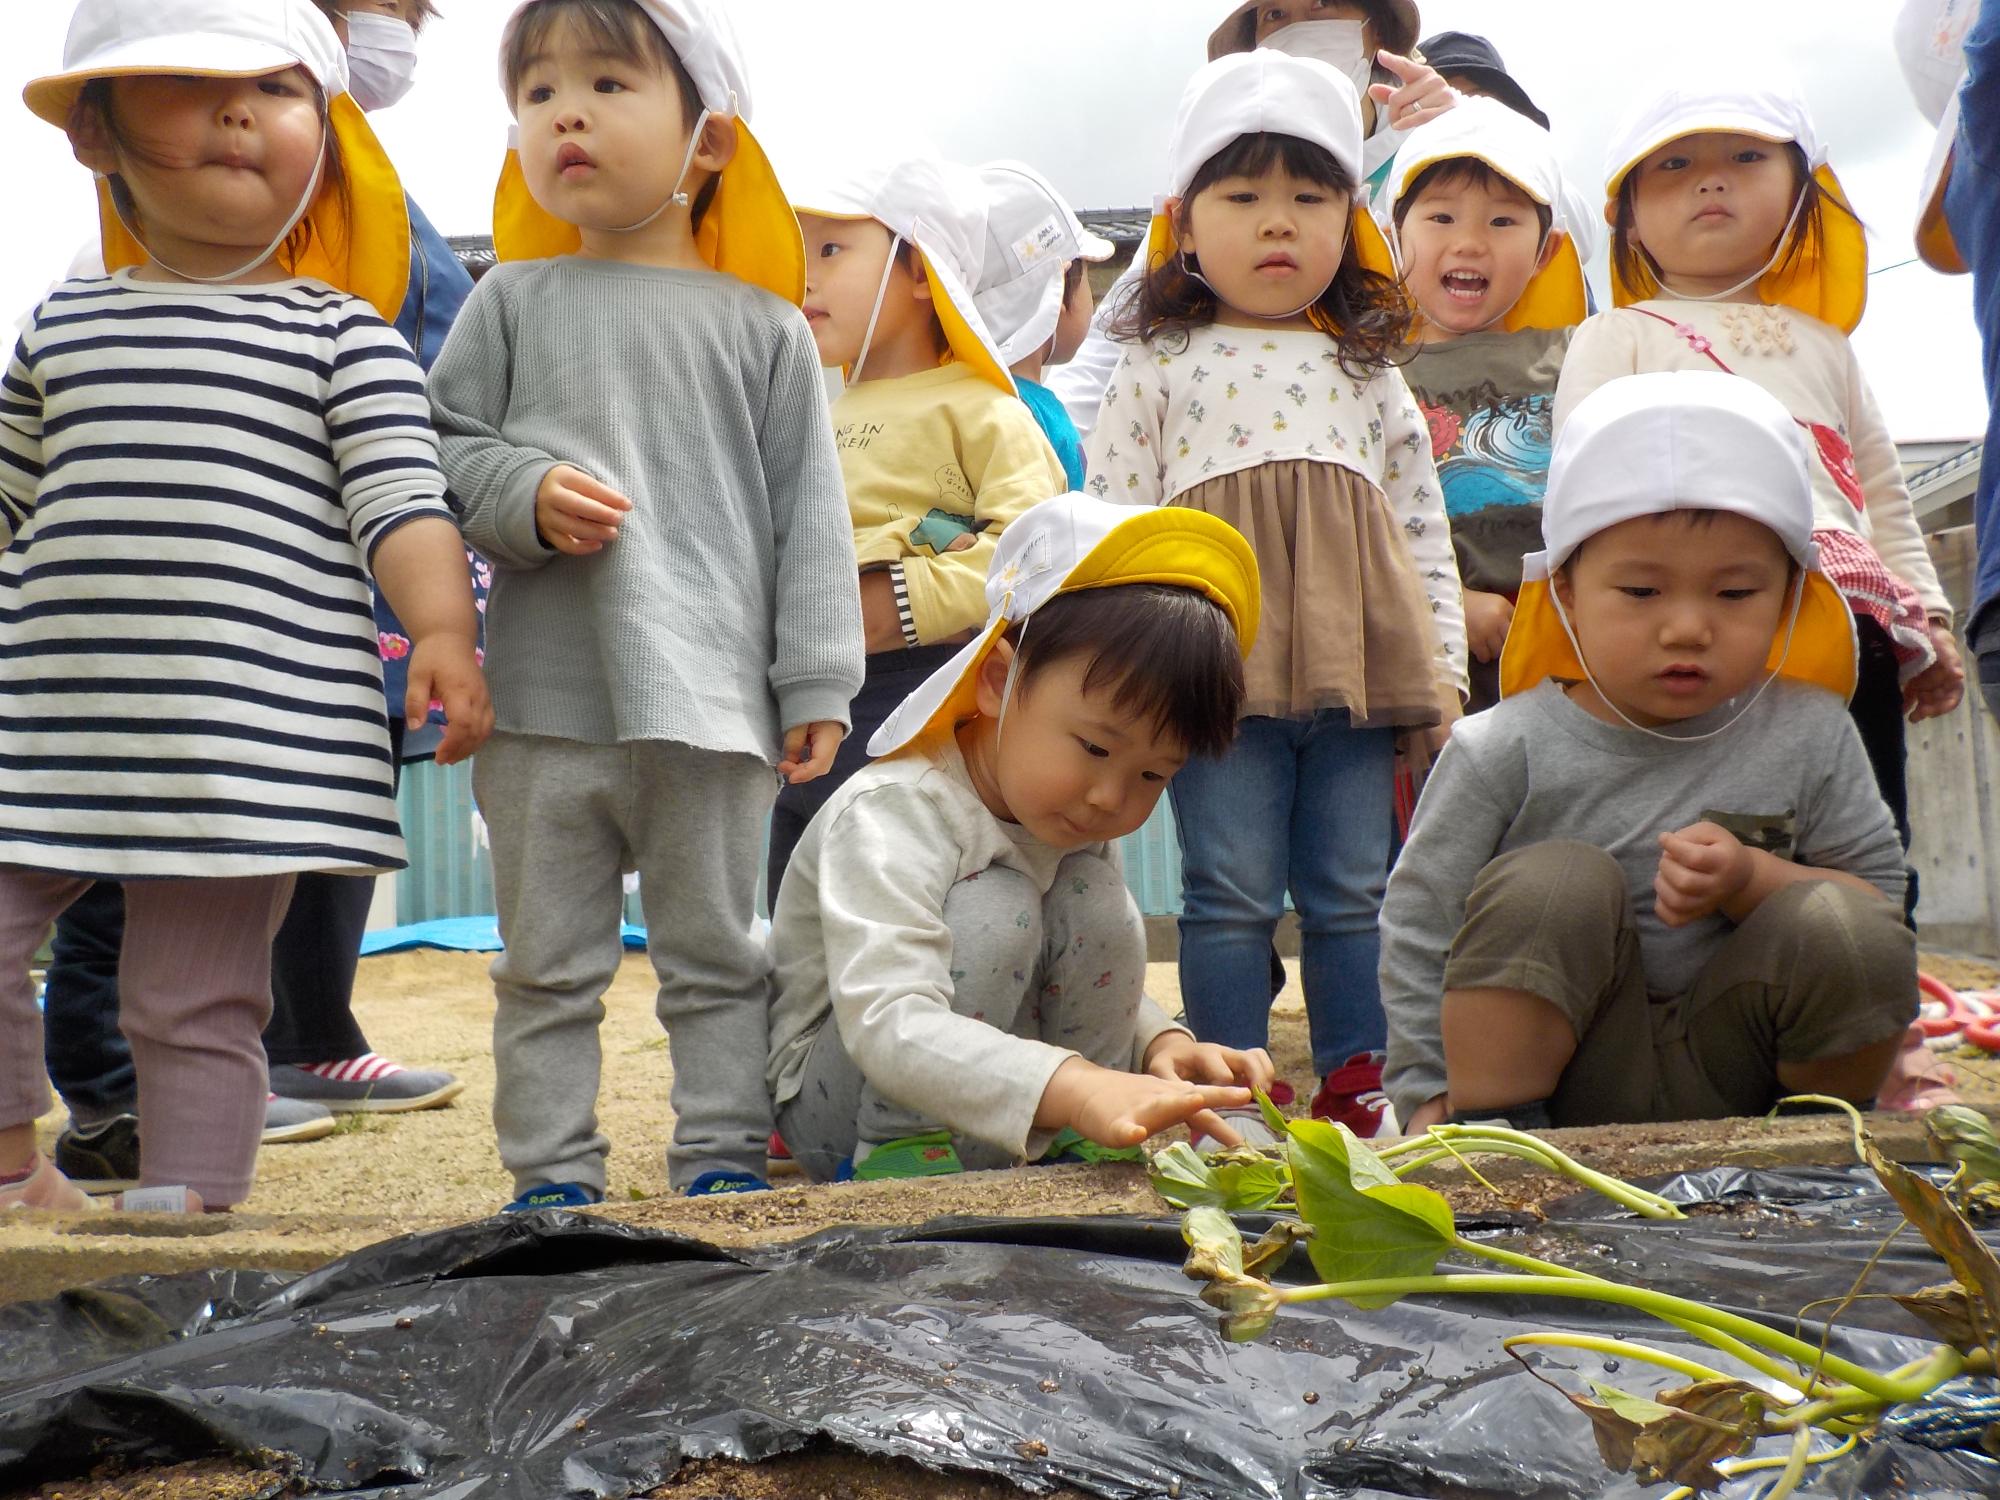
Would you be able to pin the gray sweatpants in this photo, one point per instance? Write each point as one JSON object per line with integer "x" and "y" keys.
{"x": 1068, "y": 968}
{"x": 566, "y": 820}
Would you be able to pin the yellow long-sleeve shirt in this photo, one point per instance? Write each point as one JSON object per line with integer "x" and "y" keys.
{"x": 930, "y": 459}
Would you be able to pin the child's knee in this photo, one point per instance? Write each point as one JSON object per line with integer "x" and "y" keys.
{"x": 1539, "y": 913}
{"x": 1089, "y": 900}
{"x": 1849, "y": 966}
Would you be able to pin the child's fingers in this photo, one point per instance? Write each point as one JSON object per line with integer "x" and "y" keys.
{"x": 580, "y": 483}
{"x": 1217, "y": 1127}
{"x": 587, "y": 517}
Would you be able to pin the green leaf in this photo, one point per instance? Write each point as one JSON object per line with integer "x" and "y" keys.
{"x": 1215, "y": 1249}
{"x": 1964, "y": 1135}
{"x": 1639, "y": 1409}
{"x": 1273, "y": 1116}
{"x": 1180, "y": 1176}
{"x": 1366, "y": 1224}
{"x": 1248, "y": 1181}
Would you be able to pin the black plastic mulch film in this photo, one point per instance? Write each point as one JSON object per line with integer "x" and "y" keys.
{"x": 569, "y": 1356}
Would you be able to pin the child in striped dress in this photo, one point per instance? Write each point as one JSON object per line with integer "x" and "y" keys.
{"x": 203, "y": 456}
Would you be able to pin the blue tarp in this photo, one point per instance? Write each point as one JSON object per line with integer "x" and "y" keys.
{"x": 460, "y": 935}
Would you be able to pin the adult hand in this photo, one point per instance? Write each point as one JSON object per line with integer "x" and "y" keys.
{"x": 809, "y": 750}
{"x": 1937, "y": 689}
{"x": 1487, "y": 617}
{"x": 1422, "y": 96}
{"x": 1176, "y": 1056}
{"x": 1701, "y": 867}
{"x": 577, "y": 514}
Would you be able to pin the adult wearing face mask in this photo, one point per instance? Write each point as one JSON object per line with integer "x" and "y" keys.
{"x": 1371, "y": 42}
{"x": 320, "y": 1060}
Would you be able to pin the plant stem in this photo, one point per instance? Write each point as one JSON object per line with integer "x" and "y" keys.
{"x": 1641, "y": 1299}
{"x": 1755, "y": 1465}
{"x": 1500, "y": 1141}
{"x": 1910, "y": 1383}
{"x": 1617, "y": 1349}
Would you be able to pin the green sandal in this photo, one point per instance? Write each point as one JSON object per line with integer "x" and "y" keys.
{"x": 928, "y": 1155}
{"x": 1068, "y": 1146}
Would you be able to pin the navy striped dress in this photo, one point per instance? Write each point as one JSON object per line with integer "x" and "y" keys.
{"x": 191, "y": 480}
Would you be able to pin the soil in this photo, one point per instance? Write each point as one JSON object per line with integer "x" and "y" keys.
{"x": 383, "y": 1175}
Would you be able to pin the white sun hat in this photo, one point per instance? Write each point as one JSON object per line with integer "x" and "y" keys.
{"x": 358, "y": 234}
{"x": 1828, "y": 280}
{"x": 1067, "y": 544}
{"x": 747, "y": 231}
{"x": 1031, "y": 235}
{"x": 940, "y": 207}
{"x": 1644, "y": 445}
{"x": 1514, "y": 146}
{"x": 1930, "y": 44}
{"x": 1267, "y": 92}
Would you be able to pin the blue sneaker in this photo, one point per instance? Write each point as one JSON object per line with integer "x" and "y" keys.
{"x": 553, "y": 1195}
{"x": 717, "y": 1181}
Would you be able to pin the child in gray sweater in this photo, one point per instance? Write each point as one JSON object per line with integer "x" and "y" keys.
{"x": 636, "y": 427}
{"x": 1656, "y": 882}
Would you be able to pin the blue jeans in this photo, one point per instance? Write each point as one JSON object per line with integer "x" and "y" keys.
{"x": 1305, "y": 804}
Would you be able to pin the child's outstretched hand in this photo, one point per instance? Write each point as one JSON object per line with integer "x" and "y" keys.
{"x": 1421, "y": 98}
{"x": 1114, "y": 1108}
{"x": 809, "y": 750}
{"x": 577, "y": 514}
{"x": 1701, "y": 867}
{"x": 1937, "y": 689}
{"x": 444, "y": 668}
{"x": 1176, "y": 1056}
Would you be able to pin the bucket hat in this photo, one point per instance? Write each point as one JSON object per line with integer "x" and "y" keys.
{"x": 1031, "y": 235}
{"x": 748, "y": 230}
{"x": 1065, "y": 545}
{"x": 358, "y": 236}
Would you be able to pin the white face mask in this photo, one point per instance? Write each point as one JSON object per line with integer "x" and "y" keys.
{"x": 1338, "y": 44}
{"x": 381, "y": 58}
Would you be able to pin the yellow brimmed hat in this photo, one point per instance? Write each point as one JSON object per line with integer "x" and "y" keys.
{"x": 1643, "y": 445}
{"x": 358, "y": 234}
{"x": 940, "y": 207}
{"x": 1063, "y": 546}
{"x": 1829, "y": 278}
{"x": 747, "y": 230}
{"x": 1930, "y": 44}
{"x": 1267, "y": 92}
{"x": 1514, "y": 146}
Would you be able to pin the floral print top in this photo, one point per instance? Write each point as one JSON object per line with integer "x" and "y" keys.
{"x": 1236, "y": 398}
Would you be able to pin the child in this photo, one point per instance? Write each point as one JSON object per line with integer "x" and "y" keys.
{"x": 637, "y": 429}
{"x": 224, "y": 446}
{"x": 936, "y": 453}
{"x": 1498, "y": 290}
{"x": 1259, "y": 385}
{"x": 1034, "y": 292}
{"x": 1733, "y": 248}
{"x": 960, "y": 967}
{"x": 1627, "y": 895}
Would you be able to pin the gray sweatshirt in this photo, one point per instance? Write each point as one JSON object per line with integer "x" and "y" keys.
{"x": 1790, "y": 774}
{"x": 728, "y": 609}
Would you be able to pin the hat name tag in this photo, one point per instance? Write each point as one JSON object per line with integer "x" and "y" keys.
{"x": 1038, "y": 244}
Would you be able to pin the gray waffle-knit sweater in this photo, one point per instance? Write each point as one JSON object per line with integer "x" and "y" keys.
{"x": 728, "y": 609}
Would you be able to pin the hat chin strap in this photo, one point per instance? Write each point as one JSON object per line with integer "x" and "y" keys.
{"x": 1777, "y": 254}
{"x": 875, "y": 312}
{"x": 1013, "y": 671}
{"x": 1194, "y": 275}
{"x": 1791, "y": 624}
{"x": 676, "y": 198}
{"x": 297, "y": 215}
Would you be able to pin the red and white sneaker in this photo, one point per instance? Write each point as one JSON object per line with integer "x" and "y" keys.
{"x": 1352, "y": 1096}
{"x": 370, "y": 1082}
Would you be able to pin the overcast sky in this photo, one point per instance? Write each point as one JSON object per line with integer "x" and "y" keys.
{"x": 1085, "y": 90}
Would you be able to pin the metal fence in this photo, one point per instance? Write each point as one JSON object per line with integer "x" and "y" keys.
{"x": 450, "y": 875}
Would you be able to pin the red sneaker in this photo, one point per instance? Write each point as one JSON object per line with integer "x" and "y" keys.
{"x": 778, "y": 1158}
{"x": 1352, "y": 1096}
{"x": 1280, "y": 1093}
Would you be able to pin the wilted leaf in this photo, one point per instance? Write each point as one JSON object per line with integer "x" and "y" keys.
{"x": 1945, "y": 1229}
{"x": 1981, "y": 1200}
{"x": 1615, "y": 1433}
{"x": 1947, "y": 1312}
{"x": 1215, "y": 1248}
{"x": 1180, "y": 1176}
{"x": 1710, "y": 1420}
{"x": 1267, "y": 1257}
{"x": 1366, "y": 1224}
{"x": 1964, "y": 1135}
{"x": 1247, "y": 1307}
